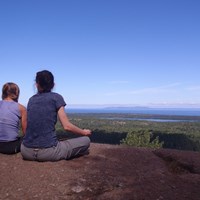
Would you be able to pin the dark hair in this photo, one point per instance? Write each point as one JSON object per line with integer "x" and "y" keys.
{"x": 10, "y": 90}
{"x": 45, "y": 81}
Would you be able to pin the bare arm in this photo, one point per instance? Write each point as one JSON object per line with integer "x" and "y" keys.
{"x": 23, "y": 118}
{"x": 68, "y": 126}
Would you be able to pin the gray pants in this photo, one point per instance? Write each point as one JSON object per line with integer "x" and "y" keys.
{"x": 64, "y": 150}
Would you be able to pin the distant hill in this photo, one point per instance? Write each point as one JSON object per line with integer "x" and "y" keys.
{"x": 128, "y": 108}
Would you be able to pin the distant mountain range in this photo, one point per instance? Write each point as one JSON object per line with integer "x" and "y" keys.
{"x": 128, "y": 108}
{"x": 133, "y": 107}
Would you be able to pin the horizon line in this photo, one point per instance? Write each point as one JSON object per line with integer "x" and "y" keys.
{"x": 175, "y": 106}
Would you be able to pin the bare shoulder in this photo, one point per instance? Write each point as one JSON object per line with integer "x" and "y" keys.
{"x": 22, "y": 108}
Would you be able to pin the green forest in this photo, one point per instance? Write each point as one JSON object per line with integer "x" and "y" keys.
{"x": 120, "y": 129}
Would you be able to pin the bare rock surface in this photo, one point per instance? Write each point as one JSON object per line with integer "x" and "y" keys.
{"x": 109, "y": 172}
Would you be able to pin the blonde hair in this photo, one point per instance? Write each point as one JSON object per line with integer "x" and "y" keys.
{"x": 10, "y": 90}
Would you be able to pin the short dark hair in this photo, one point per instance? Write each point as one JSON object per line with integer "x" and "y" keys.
{"x": 10, "y": 90}
{"x": 45, "y": 80}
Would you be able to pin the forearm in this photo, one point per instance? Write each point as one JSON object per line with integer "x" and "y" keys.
{"x": 72, "y": 128}
{"x": 68, "y": 126}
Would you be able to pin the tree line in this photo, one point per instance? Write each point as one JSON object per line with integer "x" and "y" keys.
{"x": 183, "y": 135}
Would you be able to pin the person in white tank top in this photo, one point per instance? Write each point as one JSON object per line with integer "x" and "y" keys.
{"x": 13, "y": 118}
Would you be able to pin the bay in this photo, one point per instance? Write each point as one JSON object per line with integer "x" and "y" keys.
{"x": 151, "y": 111}
{"x": 148, "y": 114}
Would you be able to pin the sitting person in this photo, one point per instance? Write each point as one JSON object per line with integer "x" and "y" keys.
{"x": 12, "y": 117}
{"x": 40, "y": 142}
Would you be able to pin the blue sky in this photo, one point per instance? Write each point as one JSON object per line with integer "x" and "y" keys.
{"x": 102, "y": 52}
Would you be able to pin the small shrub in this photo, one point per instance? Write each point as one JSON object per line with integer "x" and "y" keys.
{"x": 142, "y": 138}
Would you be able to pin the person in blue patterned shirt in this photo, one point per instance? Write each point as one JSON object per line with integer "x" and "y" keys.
{"x": 40, "y": 142}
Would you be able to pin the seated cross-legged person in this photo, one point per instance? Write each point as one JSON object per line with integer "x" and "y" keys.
{"x": 13, "y": 116}
{"x": 40, "y": 142}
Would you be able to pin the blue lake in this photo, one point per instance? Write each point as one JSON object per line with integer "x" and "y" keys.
{"x": 179, "y": 113}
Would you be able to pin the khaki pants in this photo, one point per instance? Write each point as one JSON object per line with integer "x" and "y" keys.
{"x": 66, "y": 149}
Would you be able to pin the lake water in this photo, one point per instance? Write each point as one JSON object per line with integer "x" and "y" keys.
{"x": 148, "y": 111}
{"x": 178, "y": 112}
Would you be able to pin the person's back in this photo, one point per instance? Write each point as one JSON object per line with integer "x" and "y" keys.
{"x": 42, "y": 112}
{"x": 40, "y": 142}
{"x": 9, "y": 120}
{"x": 12, "y": 115}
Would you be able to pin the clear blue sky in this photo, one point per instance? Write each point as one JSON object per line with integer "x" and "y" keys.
{"x": 138, "y": 52}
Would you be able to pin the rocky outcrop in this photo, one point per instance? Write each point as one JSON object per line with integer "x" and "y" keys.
{"x": 109, "y": 172}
